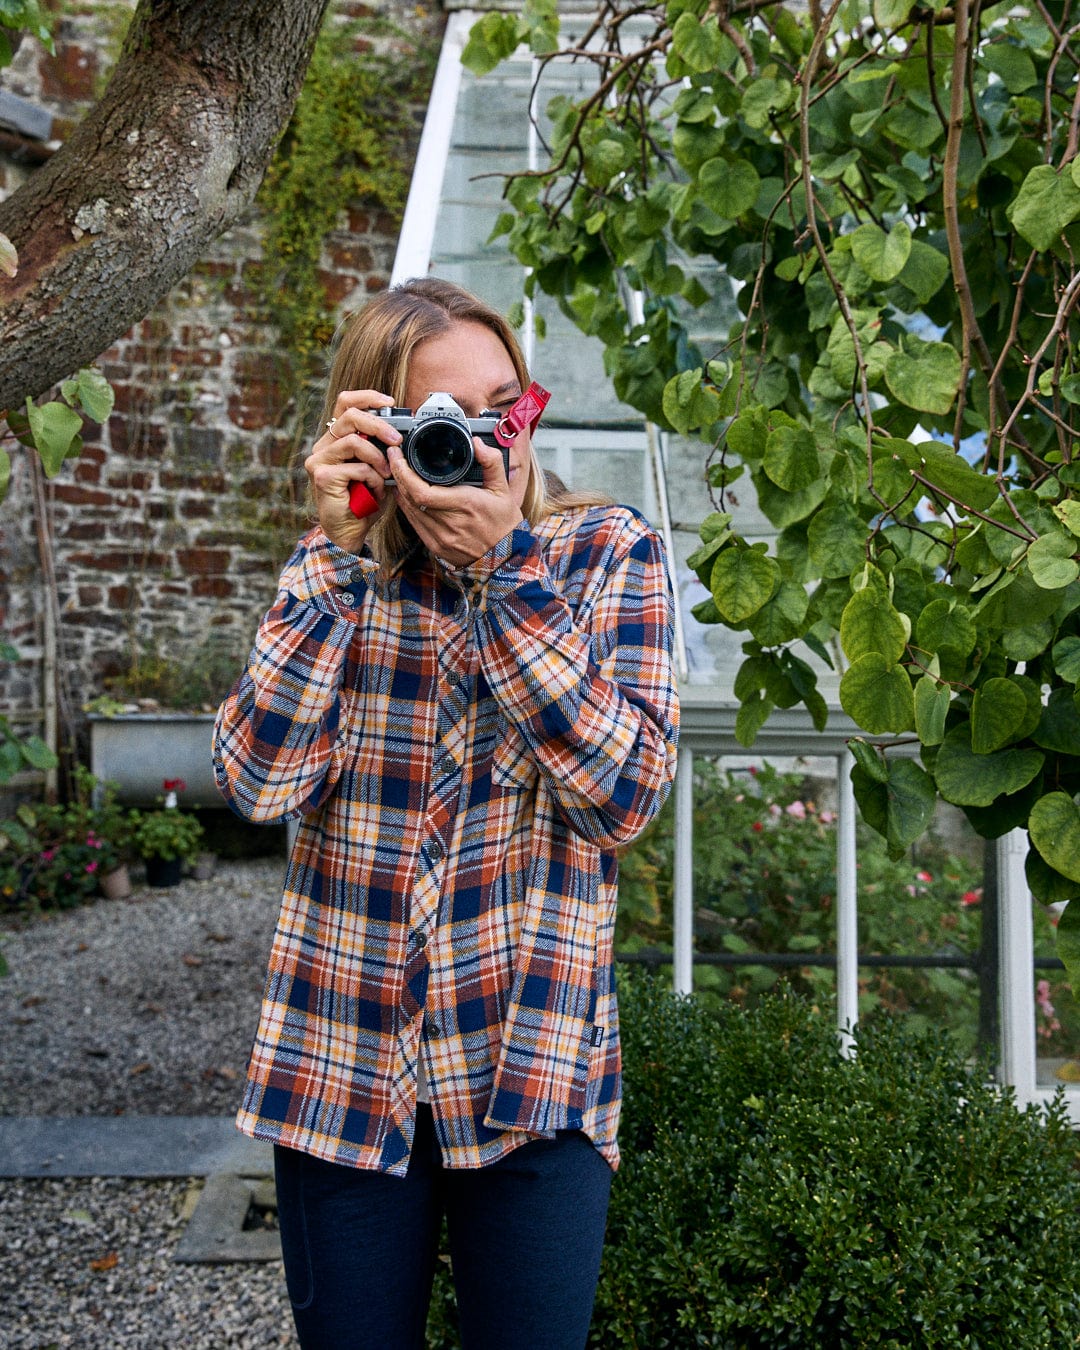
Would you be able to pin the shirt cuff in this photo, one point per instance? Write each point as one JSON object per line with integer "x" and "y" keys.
{"x": 504, "y": 566}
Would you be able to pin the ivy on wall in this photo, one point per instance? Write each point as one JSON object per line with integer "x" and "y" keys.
{"x": 352, "y": 138}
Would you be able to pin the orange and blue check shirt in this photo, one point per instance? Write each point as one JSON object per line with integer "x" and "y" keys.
{"x": 464, "y": 750}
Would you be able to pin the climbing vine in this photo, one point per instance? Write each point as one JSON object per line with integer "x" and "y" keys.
{"x": 887, "y": 195}
{"x": 352, "y": 138}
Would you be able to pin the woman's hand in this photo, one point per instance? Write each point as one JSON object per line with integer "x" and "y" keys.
{"x": 352, "y": 449}
{"x": 460, "y": 523}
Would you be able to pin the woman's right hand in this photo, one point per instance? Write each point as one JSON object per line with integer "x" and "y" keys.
{"x": 351, "y": 450}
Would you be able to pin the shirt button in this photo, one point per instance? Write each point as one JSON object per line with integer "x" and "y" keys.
{"x": 347, "y": 598}
{"x": 420, "y": 939}
{"x": 356, "y": 576}
{"x": 447, "y": 765}
{"x": 452, "y": 678}
{"x": 435, "y": 850}
{"x": 432, "y": 1027}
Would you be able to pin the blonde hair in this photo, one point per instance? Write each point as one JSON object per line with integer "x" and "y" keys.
{"x": 373, "y": 350}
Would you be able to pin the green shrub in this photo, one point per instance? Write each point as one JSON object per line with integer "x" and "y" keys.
{"x": 775, "y": 1194}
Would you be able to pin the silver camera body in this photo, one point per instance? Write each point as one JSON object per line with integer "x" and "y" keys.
{"x": 437, "y": 440}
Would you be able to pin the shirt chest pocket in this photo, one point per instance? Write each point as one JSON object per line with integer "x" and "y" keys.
{"x": 512, "y": 764}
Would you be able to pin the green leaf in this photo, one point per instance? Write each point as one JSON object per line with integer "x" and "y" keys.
{"x": 728, "y": 187}
{"x": 762, "y": 99}
{"x": 95, "y": 393}
{"x": 1051, "y": 561}
{"x": 969, "y": 779}
{"x": 836, "y": 538}
{"x": 1046, "y": 203}
{"x": 781, "y": 619}
{"x": 882, "y": 256}
{"x": 901, "y": 808}
{"x": 876, "y": 694}
{"x": 998, "y": 711}
{"x": 689, "y": 404}
{"x": 931, "y": 706}
{"x": 5, "y": 473}
{"x": 1012, "y": 64}
{"x": 891, "y": 13}
{"x": 1066, "y": 658}
{"x": 791, "y": 458}
{"x": 1059, "y": 726}
{"x": 925, "y": 271}
{"x": 37, "y": 754}
{"x": 714, "y": 539}
{"x": 491, "y": 39}
{"x": 1068, "y": 512}
{"x": 54, "y": 427}
{"x": 696, "y": 41}
{"x": 751, "y": 717}
{"x": 871, "y": 624}
{"x": 1067, "y": 942}
{"x": 946, "y": 625}
{"x": 1054, "y": 825}
{"x": 940, "y": 465}
{"x": 924, "y": 375}
{"x": 743, "y": 579}
{"x": 870, "y": 759}
{"x": 1026, "y": 641}
{"x": 1046, "y": 884}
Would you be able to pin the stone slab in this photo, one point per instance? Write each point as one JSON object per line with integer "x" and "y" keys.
{"x": 128, "y": 1146}
{"x": 215, "y": 1232}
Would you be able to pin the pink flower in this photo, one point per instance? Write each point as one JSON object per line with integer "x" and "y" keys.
{"x": 971, "y": 897}
{"x": 1042, "y": 998}
{"x": 827, "y": 817}
{"x": 91, "y": 866}
{"x": 48, "y": 855}
{"x": 774, "y": 810}
{"x": 740, "y": 797}
{"x": 796, "y": 809}
{"x": 923, "y": 876}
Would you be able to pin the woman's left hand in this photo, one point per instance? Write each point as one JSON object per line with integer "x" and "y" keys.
{"x": 460, "y": 523}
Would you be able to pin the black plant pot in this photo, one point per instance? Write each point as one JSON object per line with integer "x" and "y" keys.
{"x": 163, "y": 871}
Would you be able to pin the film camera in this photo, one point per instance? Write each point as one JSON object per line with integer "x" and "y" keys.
{"x": 437, "y": 440}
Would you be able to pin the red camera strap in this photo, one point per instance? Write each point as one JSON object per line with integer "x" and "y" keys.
{"x": 526, "y": 412}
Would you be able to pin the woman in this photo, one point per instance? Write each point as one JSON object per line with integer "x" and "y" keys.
{"x": 466, "y": 699}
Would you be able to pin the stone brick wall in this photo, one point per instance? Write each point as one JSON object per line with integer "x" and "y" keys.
{"x": 169, "y": 530}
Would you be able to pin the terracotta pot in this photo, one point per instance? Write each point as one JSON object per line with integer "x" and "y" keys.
{"x": 116, "y": 885}
{"x": 164, "y": 871}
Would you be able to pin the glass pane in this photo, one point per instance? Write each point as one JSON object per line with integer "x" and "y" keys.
{"x": 765, "y": 887}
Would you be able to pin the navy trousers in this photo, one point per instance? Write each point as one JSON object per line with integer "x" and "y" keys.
{"x": 525, "y": 1240}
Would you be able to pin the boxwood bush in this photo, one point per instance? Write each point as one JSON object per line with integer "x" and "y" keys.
{"x": 775, "y": 1194}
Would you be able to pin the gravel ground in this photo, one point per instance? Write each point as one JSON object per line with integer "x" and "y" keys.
{"x": 144, "y": 1006}
{"x": 89, "y": 1264}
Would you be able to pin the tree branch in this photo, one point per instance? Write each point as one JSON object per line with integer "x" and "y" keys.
{"x": 171, "y": 155}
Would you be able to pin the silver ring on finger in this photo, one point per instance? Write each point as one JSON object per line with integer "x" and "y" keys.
{"x": 330, "y": 425}
{"x": 421, "y": 507}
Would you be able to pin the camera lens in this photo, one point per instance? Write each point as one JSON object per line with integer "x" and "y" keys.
{"x": 440, "y": 451}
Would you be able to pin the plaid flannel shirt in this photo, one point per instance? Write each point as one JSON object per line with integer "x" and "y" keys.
{"x": 464, "y": 752}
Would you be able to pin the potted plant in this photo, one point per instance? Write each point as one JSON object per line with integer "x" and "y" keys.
{"x": 167, "y": 838}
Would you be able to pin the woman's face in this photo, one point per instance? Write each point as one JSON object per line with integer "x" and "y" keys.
{"x": 469, "y": 363}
